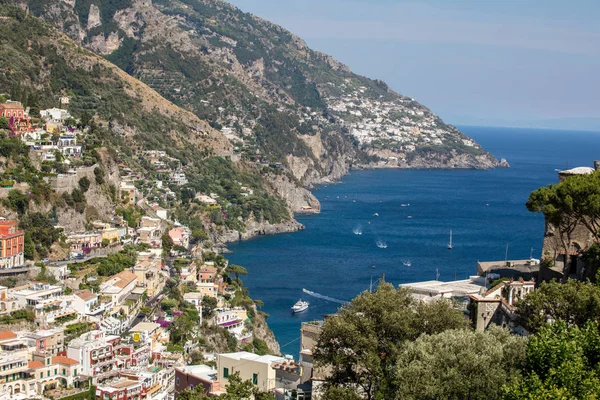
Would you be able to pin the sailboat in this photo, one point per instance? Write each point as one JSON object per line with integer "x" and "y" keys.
{"x": 450, "y": 242}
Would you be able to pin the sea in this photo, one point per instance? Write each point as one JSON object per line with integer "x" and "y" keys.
{"x": 396, "y": 224}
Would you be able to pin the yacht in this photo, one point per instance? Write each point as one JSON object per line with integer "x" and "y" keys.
{"x": 300, "y": 306}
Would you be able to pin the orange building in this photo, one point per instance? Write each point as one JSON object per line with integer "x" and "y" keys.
{"x": 11, "y": 244}
{"x": 18, "y": 120}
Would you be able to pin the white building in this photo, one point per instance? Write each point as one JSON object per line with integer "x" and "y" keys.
{"x": 55, "y": 114}
{"x": 95, "y": 351}
{"x": 119, "y": 286}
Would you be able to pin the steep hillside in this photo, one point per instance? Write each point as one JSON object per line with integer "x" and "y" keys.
{"x": 276, "y": 100}
{"x": 124, "y": 119}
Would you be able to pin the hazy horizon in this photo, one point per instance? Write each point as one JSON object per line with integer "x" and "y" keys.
{"x": 509, "y": 63}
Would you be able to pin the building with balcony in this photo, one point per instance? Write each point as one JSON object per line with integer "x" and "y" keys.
{"x": 49, "y": 372}
{"x": 8, "y": 302}
{"x": 11, "y": 244}
{"x": 87, "y": 303}
{"x": 123, "y": 389}
{"x": 207, "y": 272}
{"x": 207, "y": 289}
{"x": 83, "y": 243}
{"x": 19, "y": 121}
{"x": 35, "y": 293}
{"x": 55, "y": 311}
{"x": 14, "y": 369}
{"x": 46, "y": 341}
{"x": 181, "y": 236}
{"x": 96, "y": 351}
{"x": 148, "y": 273}
{"x": 233, "y": 321}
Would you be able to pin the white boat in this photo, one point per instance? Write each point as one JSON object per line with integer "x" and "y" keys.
{"x": 450, "y": 242}
{"x": 381, "y": 244}
{"x": 406, "y": 263}
{"x": 299, "y": 306}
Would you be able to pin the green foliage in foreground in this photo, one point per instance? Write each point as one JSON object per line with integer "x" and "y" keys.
{"x": 458, "y": 364}
{"x": 362, "y": 343}
{"x": 574, "y": 302}
{"x": 562, "y": 362}
{"x": 237, "y": 389}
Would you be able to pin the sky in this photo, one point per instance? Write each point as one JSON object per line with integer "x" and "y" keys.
{"x": 482, "y": 62}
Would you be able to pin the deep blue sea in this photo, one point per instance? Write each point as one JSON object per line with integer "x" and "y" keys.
{"x": 484, "y": 209}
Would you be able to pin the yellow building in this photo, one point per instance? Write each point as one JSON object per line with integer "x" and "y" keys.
{"x": 111, "y": 234}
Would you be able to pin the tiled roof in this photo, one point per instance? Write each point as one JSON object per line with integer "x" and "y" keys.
{"x": 4, "y": 335}
{"x": 63, "y": 360}
{"x": 124, "y": 279}
{"x": 35, "y": 364}
{"x": 85, "y": 295}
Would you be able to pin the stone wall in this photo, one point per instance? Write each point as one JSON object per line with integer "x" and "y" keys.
{"x": 67, "y": 182}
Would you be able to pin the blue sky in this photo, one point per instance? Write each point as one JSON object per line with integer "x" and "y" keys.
{"x": 496, "y": 62}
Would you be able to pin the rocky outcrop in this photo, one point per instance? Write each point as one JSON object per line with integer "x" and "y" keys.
{"x": 105, "y": 45}
{"x": 254, "y": 228}
{"x": 299, "y": 199}
{"x": 264, "y": 333}
{"x": 452, "y": 160}
{"x": 93, "y": 17}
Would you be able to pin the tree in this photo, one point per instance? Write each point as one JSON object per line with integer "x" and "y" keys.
{"x": 84, "y": 184}
{"x": 167, "y": 242}
{"x": 574, "y": 302}
{"x": 557, "y": 206}
{"x": 360, "y": 344}
{"x": 237, "y": 389}
{"x": 584, "y": 194}
{"x": 237, "y": 270}
{"x": 99, "y": 174}
{"x": 18, "y": 201}
{"x": 3, "y": 123}
{"x": 561, "y": 362}
{"x": 168, "y": 304}
{"x": 458, "y": 364}
{"x": 208, "y": 306}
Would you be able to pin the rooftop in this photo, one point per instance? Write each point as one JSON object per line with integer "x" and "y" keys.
{"x": 64, "y": 360}
{"x": 244, "y": 355}
{"x": 201, "y": 371}
{"x": 577, "y": 171}
{"x": 85, "y": 294}
{"x": 6, "y": 335}
{"x": 145, "y": 327}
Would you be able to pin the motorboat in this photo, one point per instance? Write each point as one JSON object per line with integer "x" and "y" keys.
{"x": 299, "y": 306}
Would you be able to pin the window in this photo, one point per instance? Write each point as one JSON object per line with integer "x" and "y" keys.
{"x": 55, "y": 369}
{"x": 255, "y": 379}
{"x": 41, "y": 375}
{"x": 64, "y": 372}
{"x": 177, "y": 381}
{"x": 225, "y": 372}
{"x": 48, "y": 373}
{"x": 75, "y": 372}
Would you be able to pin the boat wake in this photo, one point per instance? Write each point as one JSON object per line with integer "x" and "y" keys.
{"x": 381, "y": 244}
{"x": 406, "y": 263}
{"x": 357, "y": 230}
{"x": 323, "y": 297}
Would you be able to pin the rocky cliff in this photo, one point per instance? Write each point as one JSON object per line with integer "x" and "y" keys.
{"x": 275, "y": 99}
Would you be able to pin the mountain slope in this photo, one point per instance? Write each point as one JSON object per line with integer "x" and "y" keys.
{"x": 39, "y": 64}
{"x": 276, "y": 100}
